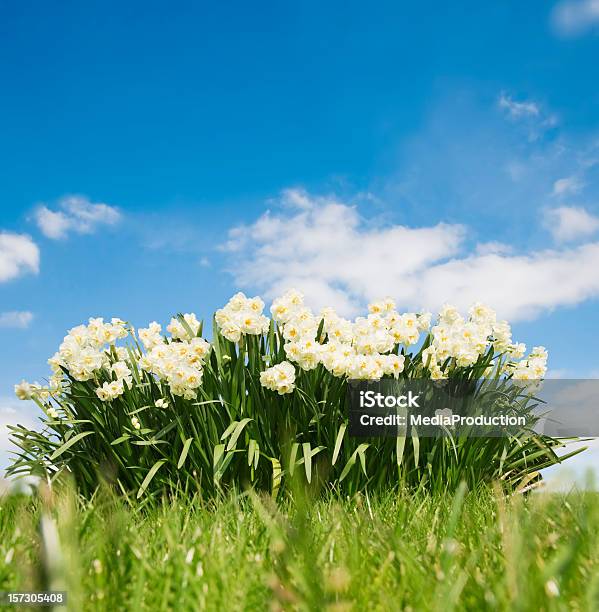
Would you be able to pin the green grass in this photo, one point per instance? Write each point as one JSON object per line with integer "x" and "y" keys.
{"x": 476, "y": 550}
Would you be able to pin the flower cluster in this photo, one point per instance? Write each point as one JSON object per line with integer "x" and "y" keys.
{"x": 89, "y": 353}
{"x": 364, "y": 348}
{"x": 121, "y": 374}
{"x": 242, "y": 315}
{"x": 185, "y": 328}
{"x": 534, "y": 367}
{"x": 110, "y": 390}
{"x": 27, "y": 391}
{"x": 369, "y": 347}
{"x": 463, "y": 341}
{"x": 179, "y": 362}
{"x": 83, "y": 350}
{"x": 279, "y": 378}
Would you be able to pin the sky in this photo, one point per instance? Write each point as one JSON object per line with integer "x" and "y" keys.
{"x": 155, "y": 159}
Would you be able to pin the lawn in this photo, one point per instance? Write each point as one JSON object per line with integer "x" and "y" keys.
{"x": 468, "y": 550}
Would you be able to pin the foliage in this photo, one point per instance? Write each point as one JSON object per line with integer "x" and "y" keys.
{"x": 183, "y": 415}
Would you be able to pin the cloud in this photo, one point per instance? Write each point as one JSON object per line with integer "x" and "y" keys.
{"x": 569, "y": 223}
{"x": 534, "y": 117}
{"x": 518, "y": 109}
{"x": 338, "y": 258}
{"x": 575, "y": 17}
{"x": 75, "y": 214}
{"x": 18, "y": 255}
{"x": 16, "y": 318}
{"x": 487, "y": 248}
{"x": 570, "y": 185}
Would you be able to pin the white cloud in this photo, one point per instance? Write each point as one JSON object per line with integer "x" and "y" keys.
{"x": 569, "y": 185}
{"x": 518, "y": 109}
{"x": 487, "y": 248}
{"x": 76, "y": 214}
{"x": 16, "y": 318}
{"x": 569, "y": 223}
{"x": 575, "y": 17}
{"x": 18, "y": 255}
{"x": 337, "y": 258}
{"x": 535, "y": 119}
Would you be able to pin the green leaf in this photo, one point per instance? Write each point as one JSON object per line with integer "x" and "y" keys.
{"x": 416, "y": 445}
{"x": 352, "y": 460}
{"x": 70, "y": 443}
{"x": 400, "y": 443}
{"x": 184, "y": 452}
{"x": 237, "y": 433}
{"x": 229, "y": 430}
{"x": 219, "y": 450}
{"x": 361, "y": 450}
{"x": 307, "y": 460}
{"x": 220, "y": 462}
{"x": 149, "y": 476}
{"x": 256, "y": 456}
{"x": 251, "y": 450}
{"x": 338, "y": 441}
{"x": 277, "y": 476}
{"x": 348, "y": 466}
{"x": 292, "y": 457}
{"x": 121, "y": 439}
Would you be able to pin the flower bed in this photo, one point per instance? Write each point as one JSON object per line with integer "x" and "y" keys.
{"x": 265, "y": 399}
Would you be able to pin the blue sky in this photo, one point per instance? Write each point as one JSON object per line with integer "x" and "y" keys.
{"x": 346, "y": 121}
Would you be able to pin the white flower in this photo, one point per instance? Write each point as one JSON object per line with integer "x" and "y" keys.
{"x": 517, "y": 351}
{"x": 253, "y": 323}
{"x": 502, "y": 336}
{"x": 394, "y": 365}
{"x": 231, "y": 330}
{"x": 481, "y": 313}
{"x": 284, "y": 307}
{"x": 381, "y": 306}
{"x": 150, "y": 336}
{"x": 110, "y": 390}
{"x": 424, "y": 321}
{"x": 279, "y": 378}
{"x": 24, "y": 390}
{"x": 122, "y": 372}
{"x": 161, "y": 403}
{"x": 306, "y": 353}
{"x": 242, "y": 315}
{"x": 179, "y": 332}
{"x": 449, "y": 314}
{"x": 135, "y": 422}
{"x": 199, "y": 347}
{"x": 534, "y": 367}
{"x": 56, "y": 363}
{"x": 366, "y": 367}
{"x": 437, "y": 373}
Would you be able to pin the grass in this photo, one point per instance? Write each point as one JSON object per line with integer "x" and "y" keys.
{"x": 472, "y": 550}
